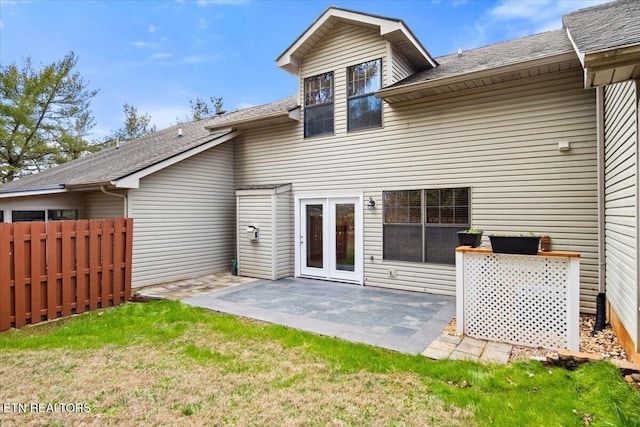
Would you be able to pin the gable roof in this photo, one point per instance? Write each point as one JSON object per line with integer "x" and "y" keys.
{"x": 393, "y": 30}
{"x": 502, "y": 60}
{"x": 607, "y": 41}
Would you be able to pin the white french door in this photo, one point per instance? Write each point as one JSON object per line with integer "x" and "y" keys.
{"x": 330, "y": 238}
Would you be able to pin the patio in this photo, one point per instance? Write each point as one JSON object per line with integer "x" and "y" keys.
{"x": 409, "y": 322}
{"x": 402, "y": 321}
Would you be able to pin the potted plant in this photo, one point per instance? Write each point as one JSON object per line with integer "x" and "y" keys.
{"x": 470, "y": 237}
{"x": 519, "y": 244}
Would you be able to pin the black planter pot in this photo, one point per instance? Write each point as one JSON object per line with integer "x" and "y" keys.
{"x": 520, "y": 245}
{"x": 469, "y": 239}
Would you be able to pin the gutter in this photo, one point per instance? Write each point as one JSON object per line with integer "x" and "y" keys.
{"x": 601, "y": 310}
{"x": 103, "y": 188}
{"x": 465, "y": 77}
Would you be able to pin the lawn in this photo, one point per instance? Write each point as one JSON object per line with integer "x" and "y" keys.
{"x": 165, "y": 363}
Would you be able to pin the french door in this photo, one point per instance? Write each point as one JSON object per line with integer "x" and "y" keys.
{"x": 330, "y": 238}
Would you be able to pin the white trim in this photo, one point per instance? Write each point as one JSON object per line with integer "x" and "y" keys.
{"x": 23, "y": 193}
{"x": 326, "y": 199}
{"x": 133, "y": 180}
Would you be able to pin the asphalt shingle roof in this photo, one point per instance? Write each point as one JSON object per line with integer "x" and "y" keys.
{"x": 135, "y": 155}
{"x": 497, "y": 55}
{"x": 605, "y": 26}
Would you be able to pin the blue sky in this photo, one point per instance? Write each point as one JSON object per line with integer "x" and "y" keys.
{"x": 156, "y": 55}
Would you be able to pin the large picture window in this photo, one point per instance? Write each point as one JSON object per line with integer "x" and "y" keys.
{"x": 318, "y": 105}
{"x": 422, "y": 225}
{"x": 365, "y": 110}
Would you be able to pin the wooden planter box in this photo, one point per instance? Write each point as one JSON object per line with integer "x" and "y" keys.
{"x": 520, "y": 245}
{"x": 469, "y": 239}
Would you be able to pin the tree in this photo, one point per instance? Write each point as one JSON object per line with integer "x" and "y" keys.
{"x": 201, "y": 109}
{"x": 135, "y": 126}
{"x": 44, "y": 116}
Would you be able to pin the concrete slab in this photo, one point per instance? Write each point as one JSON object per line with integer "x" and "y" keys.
{"x": 398, "y": 320}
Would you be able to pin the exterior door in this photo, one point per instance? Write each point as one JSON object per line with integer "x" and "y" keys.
{"x": 331, "y": 238}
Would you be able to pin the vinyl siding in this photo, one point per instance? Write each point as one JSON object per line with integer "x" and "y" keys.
{"x": 621, "y": 202}
{"x": 500, "y": 142}
{"x": 41, "y": 203}
{"x": 184, "y": 219}
{"x": 256, "y": 259}
{"x": 399, "y": 67}
{"x": 98, "y": 205}
{"x": 342, "y": 47}
{"x": 284, "y": 235}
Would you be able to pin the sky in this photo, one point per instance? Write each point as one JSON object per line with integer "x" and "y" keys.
{"x": 158, "y": 54}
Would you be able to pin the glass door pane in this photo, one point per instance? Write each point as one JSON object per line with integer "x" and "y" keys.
{"x": 345, "y": 237}
{"x": 314, "y": 236}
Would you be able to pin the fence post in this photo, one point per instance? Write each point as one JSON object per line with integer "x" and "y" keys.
{"x": 5, "y": 276}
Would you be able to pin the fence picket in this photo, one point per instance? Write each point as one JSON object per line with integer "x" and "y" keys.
{"x": 21, "y": 232}
{"x": 82, "y": 295}
{"x": 6, "y": 232}
{"x": 38, "y": 269}
{"x": 61, "y": 267}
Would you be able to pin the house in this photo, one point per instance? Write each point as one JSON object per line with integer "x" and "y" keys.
{"x": 385, "y": 152}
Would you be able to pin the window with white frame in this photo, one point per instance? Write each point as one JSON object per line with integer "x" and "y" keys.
{"x": 422, "y": 225}
{"x": 318, "y": 105}
{"x": 364, "y": 109}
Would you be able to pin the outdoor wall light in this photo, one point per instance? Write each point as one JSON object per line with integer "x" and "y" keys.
{"x": 372, "y": 204}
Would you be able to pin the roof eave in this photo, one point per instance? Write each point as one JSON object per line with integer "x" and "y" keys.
{"x": 391, "y": 29}
{"x": 606, "y": 66}
{"x": 389, "y": 94}
{"x": 280, "y": 117}
{"x": 34, "y": 191}
{"x": 132, "y": 180}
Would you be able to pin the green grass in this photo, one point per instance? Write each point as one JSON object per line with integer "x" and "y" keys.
{"x": 248, "y": 358}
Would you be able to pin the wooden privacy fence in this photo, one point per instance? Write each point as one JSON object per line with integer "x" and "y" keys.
{"x": 58, "y": 268}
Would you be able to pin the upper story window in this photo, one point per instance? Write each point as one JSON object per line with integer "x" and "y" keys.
{"x": 365, "y": 110}
{"x": 318, "y": 105}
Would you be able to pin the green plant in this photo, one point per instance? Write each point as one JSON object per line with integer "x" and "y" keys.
{"x": 471, "y": 231}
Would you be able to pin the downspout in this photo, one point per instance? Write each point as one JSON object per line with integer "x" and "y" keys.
{"x": 103, "y": 188}
{"x": 601, "y": 309}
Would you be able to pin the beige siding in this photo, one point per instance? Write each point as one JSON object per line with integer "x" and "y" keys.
{"x": 256, "y": 259}
{"x": 44, "y": 203}
{"x": 98, "y": 205}
{"x": 621, "y": 202}
{"x": 399, "y": 67}
{"x": 502, "y": 143}
{"x": 284, "y": 235}
{"x": 343, "y": 47}
{"x": 184, "y": 219}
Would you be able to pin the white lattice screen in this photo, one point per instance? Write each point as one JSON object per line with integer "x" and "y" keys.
{"x": 520, "y": 299}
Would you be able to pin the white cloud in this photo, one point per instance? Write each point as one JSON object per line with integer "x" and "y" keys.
{"x": 513, "y": 19}
{"x": 202, "y": 24}
{"x": 161, "y": 55}
{"x": 199, "y": 59}
{"x": 152, "y": 29}
{"x": 142, "y": 44}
